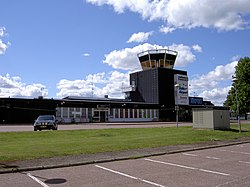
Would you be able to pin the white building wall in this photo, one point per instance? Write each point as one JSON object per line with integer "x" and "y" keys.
{"x": 69, "y": 115}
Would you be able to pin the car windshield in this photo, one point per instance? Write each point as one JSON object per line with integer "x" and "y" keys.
{"x": 45, "y": 118}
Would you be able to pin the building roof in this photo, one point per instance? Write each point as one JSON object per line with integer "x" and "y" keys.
{"x": 114, "y": 102}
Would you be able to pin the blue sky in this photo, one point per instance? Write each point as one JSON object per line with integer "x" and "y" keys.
{"x": 88, "y": 48}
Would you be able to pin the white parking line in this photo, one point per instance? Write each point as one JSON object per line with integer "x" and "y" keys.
{"x": 194, "y": 155}
{"x": 239, "y": 145}
{"x": 188, "y": 154}
{"x": 129, "y": 176}
{"x": 37, "y": 180}
{"x": 211, "y": 157}
{"x": 244, "y": 162}
{"x": 187, "y": 167}
{"x": 245, "y": 153}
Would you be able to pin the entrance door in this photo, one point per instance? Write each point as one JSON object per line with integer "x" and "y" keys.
{"x": 103, "y": 116}
{"x": 100, "y": 115}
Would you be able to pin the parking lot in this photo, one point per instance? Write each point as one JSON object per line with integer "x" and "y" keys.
{"x": 223, "y": 166}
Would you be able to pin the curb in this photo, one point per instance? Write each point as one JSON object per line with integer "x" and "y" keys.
{"x": 16, "y": 170}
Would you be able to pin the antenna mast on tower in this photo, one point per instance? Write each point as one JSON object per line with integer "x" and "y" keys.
{"x": 92, "y": 85}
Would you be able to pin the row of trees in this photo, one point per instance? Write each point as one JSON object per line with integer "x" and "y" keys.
{"x": 241, "y": 87}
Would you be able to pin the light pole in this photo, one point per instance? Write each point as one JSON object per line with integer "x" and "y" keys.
{"x": 237, "y": 102}
{"x": 177, "y": 106}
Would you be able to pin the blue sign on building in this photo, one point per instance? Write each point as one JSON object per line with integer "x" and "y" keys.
{"x": 195, "y": 100}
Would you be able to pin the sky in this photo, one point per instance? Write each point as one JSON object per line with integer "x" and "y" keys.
{"x": 88, "y": 48}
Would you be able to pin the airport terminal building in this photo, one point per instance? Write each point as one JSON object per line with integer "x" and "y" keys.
{"x": 155, "y": 93}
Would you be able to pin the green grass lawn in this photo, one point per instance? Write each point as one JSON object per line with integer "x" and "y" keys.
{"x": 30, "y": 145}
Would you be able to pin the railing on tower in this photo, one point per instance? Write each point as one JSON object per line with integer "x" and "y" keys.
{"x": 164, "y": 58}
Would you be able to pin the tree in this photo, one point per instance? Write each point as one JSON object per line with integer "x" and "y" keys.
{"x": 241, "y": 84}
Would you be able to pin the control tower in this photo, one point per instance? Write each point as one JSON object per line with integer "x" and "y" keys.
{"x": 163, "y": 58}
{"x": 156, "y": 82}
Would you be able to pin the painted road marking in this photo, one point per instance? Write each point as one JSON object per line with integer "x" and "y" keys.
{"x": 37, "y": 180}
{"x": 129, "y": 176}
{"x": 211, "y": 157}
{"x": 188, "y": 154}
{"x": 239, "y": 145}
{"x": 194, "y": 155}
{"x": 244, "y": 162}
{"x": 187, "y": 167}
{"x": 245, "y": 153}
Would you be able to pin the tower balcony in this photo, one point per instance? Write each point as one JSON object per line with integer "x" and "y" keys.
{"x": 164, "y": 58}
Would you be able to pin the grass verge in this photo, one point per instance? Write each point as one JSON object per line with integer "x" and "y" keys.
{"x": 31, "y": 145}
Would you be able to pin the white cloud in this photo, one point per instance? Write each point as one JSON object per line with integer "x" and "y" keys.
{"x": 13, "y": 87}
{"x": 79, "y": 87}
{"x": 235, "y": 58}
{"x": 115, "y": 82}
{"x": 226, "y": 15}
{"x": 96, "y": 85}
{"x": 185, "y": 55}
{"x": 139, "y": 37}
{"x": 126, "y": 59}
{"x": 3, "y": 46}
{"x": 120, "y": 5}
{"x": 86, "y": 54}
{"x": 216, "y": 95}
{"x": 197, "y": 48}
{"x": 208, "y": 13}
{"x": 166, "y": 29}
{"x": 74, "y": 88}
{"x": 2, "y": 31}
{"x": 208, "y": 85}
